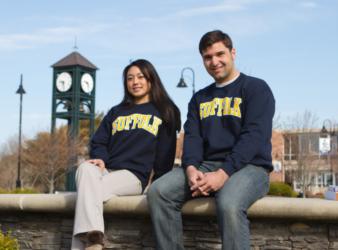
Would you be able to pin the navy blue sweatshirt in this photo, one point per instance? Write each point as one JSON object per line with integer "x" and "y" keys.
{"x": 232, "y": 124}
{"x": 136, "y": 139}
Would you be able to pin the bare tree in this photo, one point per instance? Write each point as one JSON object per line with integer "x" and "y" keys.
{"x": 46, "y": 158}
{"x": 277, "y": 123}
{"x": 49, "y": 156}
{"x": 300, "y": 140}
{"x": 8, "y": 163}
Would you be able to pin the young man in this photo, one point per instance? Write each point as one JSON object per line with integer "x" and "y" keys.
{"x": 226, "y": 154}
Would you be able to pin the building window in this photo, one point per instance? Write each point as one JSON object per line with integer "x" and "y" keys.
{"x": 290, "y": 147}
{"x": 328, "y": 180}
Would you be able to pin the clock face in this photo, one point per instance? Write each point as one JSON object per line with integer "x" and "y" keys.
{"x": 63, "y": 82}
{"x": 87, "y": 83}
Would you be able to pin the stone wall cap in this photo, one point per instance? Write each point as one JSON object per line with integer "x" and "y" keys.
{"x": 268, "y": 207}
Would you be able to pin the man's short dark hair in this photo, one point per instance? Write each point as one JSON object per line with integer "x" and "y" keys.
{"x": 212, "y": 37}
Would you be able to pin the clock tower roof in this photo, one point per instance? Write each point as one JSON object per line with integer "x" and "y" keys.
{"x": 74, "y": 58}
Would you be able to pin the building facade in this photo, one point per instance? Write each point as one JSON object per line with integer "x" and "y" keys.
{"x": 297, "y": 160}
{"x": 307, "y": 167}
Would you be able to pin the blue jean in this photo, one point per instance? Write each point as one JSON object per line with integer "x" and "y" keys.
{"x": 167, "y": 195}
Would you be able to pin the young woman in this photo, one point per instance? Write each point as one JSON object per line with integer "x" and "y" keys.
{"x": 134, "y": 138}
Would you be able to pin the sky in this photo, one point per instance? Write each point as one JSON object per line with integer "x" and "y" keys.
{"x": 291, "y": 44}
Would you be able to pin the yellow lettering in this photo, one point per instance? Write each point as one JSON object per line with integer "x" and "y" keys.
{"x": 207, "y": 109}
{"x": 145, "y": 122}
{"x": 236, "y": 111}
{"x": 154, "y": 127}
{"x": 121, "y": 123}
{"x": 140, "y": 121}
{"x": 128, "y": 121}
{"x": 221, "y": 107}
{"x": 212, "y": 106}
{"x": 135, "y": 120}
{"x": 202, "y": 107}
{"x": 227, "y": 105}
{"x": 114, "y": 127}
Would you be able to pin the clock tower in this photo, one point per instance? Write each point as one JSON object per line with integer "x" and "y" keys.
{"x": 74, "y": 92}
{"x": 73, "y": 99}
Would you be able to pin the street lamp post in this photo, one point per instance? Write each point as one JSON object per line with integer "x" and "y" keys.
{"x": 183, "y": 84}
{"x": 21, "y": 92}
{"x": 327, "y": 133}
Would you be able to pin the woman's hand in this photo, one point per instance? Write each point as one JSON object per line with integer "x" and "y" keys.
{"x": 99, "y": 163}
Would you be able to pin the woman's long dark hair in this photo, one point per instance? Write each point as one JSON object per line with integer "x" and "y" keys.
{"x": 169, "y": 112}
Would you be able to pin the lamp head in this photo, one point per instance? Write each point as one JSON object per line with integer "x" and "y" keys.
{"x": 324, "y": 132}
{"x": 181, "y": 83}
{"x": 20, "y": 90}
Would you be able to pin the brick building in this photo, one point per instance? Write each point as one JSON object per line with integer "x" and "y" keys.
{"x": 297, "y": 160}
{"x": 277, "y": 154}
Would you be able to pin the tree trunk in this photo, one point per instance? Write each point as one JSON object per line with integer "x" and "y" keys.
{"x": 51, "y": 187}
{"x": 51, "y": 183}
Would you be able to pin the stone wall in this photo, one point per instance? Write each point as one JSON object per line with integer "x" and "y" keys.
{"x": 53, "y": 231}
{"x": 46, "y": 221}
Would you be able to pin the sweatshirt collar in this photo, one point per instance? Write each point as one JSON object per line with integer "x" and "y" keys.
{"x": 223, "y": 84}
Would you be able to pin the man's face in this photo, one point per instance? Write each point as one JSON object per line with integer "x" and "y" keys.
{"x": 219, "y": 62}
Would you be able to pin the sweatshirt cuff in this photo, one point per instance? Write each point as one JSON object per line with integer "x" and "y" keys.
{"x": 104, "y": 158}
{"x": 196, "y": 164}
{"x": 228, "y": 168}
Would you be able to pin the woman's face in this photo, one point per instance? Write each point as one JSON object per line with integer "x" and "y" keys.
{"x": 138, "y": 86}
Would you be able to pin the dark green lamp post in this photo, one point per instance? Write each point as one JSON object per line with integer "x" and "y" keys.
{"x": 20, "y": 92}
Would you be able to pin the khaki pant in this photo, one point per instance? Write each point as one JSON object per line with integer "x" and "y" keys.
{"x": 93, "y": 189}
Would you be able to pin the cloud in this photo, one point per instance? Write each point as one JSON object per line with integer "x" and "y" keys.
{"x": 40, "y": 37}
{"x": 225, "y": 7}
{"x": 119, "y": 33}
{"x": 309, "y": 5}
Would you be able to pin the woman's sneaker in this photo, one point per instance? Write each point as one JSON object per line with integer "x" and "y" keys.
{"x": 94, "y": 240}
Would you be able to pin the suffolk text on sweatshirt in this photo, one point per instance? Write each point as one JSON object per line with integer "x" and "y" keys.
{"x": 232, "y": 124}
{"x": 136, "y": 139}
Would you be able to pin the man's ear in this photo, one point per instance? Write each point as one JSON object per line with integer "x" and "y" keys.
{"x": 233, "y": 53}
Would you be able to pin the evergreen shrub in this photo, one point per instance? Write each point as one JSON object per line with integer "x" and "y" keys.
{"x": 18, "y": 191}
{"x": 281, "y": 189}
{"x": 7, "y": 242}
